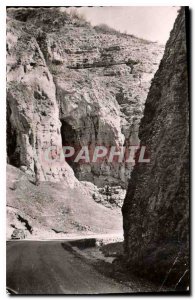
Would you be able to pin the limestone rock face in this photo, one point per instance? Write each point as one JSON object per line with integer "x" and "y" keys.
{"x": 74, "y": 85}
{"x": 156, "y": 206}
{"x": 33, "y": 123}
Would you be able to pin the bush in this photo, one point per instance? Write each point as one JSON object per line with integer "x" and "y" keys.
{"x": 75, "y": 14}
{"x": 104, "y": 28}
{"x": 132, "y": 62}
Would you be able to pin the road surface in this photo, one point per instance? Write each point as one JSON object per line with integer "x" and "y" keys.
{"x": 46, "y": 267}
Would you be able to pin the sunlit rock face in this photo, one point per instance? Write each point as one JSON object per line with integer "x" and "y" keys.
{"x": 71, "y": 83}
{"x": 156, "y": 206}
{"x": 33, "y": 123}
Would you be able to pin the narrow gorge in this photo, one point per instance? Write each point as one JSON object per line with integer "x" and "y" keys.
{"x": 69, "y": 83}
{"x": 74, "y": 85}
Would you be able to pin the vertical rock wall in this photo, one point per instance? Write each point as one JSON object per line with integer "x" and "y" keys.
{"x": 66, "y": 77}
{"x": 33, "y": 124}
{"x": 156, "y": 207}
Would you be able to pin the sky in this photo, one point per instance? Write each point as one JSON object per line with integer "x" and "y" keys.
{"x": 153, "y": 23}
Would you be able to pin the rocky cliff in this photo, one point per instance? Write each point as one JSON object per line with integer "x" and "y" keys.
{"x": 69, "y": 83}
{"x": 156, "y": 206}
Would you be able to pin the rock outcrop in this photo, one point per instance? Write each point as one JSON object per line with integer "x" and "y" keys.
{"x": 156, "y": 207}
{"x": 33, "y": 123}
{"x": 69, "y": 83}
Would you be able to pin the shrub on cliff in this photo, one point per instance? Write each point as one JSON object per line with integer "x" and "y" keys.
{"x": 104, "y": 28}
{"x": 75, "y": 14}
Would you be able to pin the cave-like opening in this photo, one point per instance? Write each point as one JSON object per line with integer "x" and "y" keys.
{"x": 70, "y": 137}
{"x": 13, "y": 156}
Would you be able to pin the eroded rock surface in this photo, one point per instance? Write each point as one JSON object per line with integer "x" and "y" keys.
{"x": 156, "y": 207}
{"x": 69, "y": 83}
{"x": 33, "y": 123}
